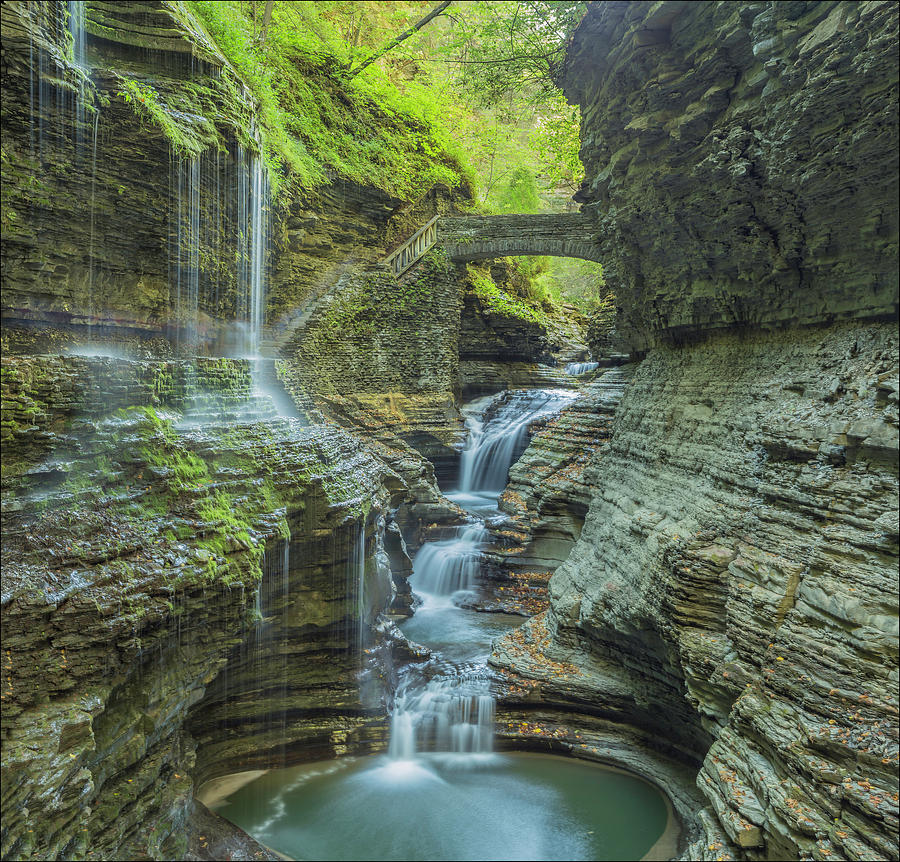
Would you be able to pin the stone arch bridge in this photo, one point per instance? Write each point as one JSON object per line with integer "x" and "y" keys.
{"x": 555, "y": 234}
{"x": 480, "y": 237}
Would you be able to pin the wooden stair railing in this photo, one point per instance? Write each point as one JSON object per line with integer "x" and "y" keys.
{"x": 412, "y": 250}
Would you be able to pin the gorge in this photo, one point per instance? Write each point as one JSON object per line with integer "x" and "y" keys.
{"x": 292, "y": 538}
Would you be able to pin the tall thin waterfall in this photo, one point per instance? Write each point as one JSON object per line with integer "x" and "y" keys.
{"x": 199, "y": 219}
{"x": 253, "y": 239}
{"x": 77, "y": 32}
{"x": 184, "y": 249}
{"x": 499, "y": 435}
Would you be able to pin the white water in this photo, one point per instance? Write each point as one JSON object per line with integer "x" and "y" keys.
{"x": 498, "y": 434}
{"x": 77, "y": 32}
{"x": 447, "y": 707}
{"x": 253, "y": 242}
{"x": 444, "y": 567}
{"x": 574, "y": 369}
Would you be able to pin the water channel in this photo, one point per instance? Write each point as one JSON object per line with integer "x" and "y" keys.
{"x": 442, "y": 792}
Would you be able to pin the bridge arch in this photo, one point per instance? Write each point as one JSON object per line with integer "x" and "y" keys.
{"x": 554, "y": 234}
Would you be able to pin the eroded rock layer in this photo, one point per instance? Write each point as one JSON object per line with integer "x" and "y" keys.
{"x": 188, "y": 584}
{"x": 740, "y": 161}
{"x": 735, "y": 581}
{"x": 734, "y": 588}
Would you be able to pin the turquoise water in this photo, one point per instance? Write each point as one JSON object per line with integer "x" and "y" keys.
{"x": 446, "y": 806}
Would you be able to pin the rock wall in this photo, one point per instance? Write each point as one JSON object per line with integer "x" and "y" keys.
{"x": 735, "y": 581}
{"x": 163, "y": 530}
{"x": 739, "y": 161}
{"x": 733, "y": 593}
{"x": 549, "y": 492}
{"x": 116, "y": 227}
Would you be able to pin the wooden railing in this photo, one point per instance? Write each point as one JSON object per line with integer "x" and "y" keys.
{"x": 408, "y": 253}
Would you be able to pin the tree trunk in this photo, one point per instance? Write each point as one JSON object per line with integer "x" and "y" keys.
{"x": 398, "y": 39}
{"x": 267, "y": 19}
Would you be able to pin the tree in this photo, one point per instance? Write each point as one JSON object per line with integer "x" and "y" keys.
{"x": 512, "y": 45}
{"x": 403, "y": 36}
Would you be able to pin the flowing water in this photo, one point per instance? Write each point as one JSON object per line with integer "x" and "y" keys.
{"x": 575, "y": 369}
{"x": 442, "y": 792}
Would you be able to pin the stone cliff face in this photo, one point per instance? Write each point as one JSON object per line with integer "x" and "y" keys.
{"x": 164, "y": 531}
{"x": 733, "y": 591}
{"x": 188, "y": 577}
{"x": 549, "y": 492}
{"x": 112, "y": 223}
{"x": 738, "y": 161}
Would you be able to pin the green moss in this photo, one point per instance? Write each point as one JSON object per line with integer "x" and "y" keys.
{"x": 498, "y": 301}
{"x": 317, "y": 121}
{"x": 187, "y": 138}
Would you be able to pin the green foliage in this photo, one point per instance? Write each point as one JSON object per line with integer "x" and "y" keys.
{"x": 145, "y": 100}
{"x": 579, "y": 282}
{"x": 316, "y": 120}
{"x": 510, "y": 46}
{"x": 518, "y": 193}
{"x": 557, "y": 140}
{"x": 501, "y": 302}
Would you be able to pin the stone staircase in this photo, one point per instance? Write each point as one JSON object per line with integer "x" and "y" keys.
{"x": 398, "y": 262}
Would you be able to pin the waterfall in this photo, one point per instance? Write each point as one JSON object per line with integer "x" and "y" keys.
{"x": 499, "y": 434}
{"x": 77, "y": 32}
{"x": 253, "y": 240}
{"x": 444, "y": 567}
{"x": 574, "y": 369}
{"x": 184, "y": 249}
{"x": 447, "y": 707}
{"x": 447, "y": 715}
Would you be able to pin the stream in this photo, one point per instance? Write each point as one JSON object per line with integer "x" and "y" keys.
{"x": 442, "y": 792}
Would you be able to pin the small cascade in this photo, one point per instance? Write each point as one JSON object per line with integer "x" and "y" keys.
{"x": 447, "y": 715}
{"x": 576, "y": 369}
{"x": 444, "y": 567}
{"x": 446, "y": 706}
{"x": 499, "y": 434}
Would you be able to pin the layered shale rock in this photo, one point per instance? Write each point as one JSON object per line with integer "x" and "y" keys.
{"x": 739, "y": 161}
{"x": 549, "y": 492}
{"x": 733, "y": 593}
{"x": 382, "y": 354}
{"x": 188, "y": 580}
{"x": 735, "y": 581}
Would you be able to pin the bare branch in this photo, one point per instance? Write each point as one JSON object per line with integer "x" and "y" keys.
{"x": 398, "y": 39}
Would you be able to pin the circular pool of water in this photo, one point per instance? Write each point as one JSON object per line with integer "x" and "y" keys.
{"x": 499, "y": 807}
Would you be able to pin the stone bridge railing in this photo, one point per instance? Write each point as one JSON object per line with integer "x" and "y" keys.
{"x": 556, "y": 234}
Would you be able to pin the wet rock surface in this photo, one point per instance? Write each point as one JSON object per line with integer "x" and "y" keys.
{"x": 734, "y": 586}
{"x": 548, "y": 493}
{"x": 161, "y": 576}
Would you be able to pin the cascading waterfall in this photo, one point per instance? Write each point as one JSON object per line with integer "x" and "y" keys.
{"x": 450, "y": 708}
{"x": 447, "y": 715}
{"x": 499, "y": 434}
{"x": 450, "y": 565}
{"x": 575, "y": 369}
{"x": 77, "y": 32}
